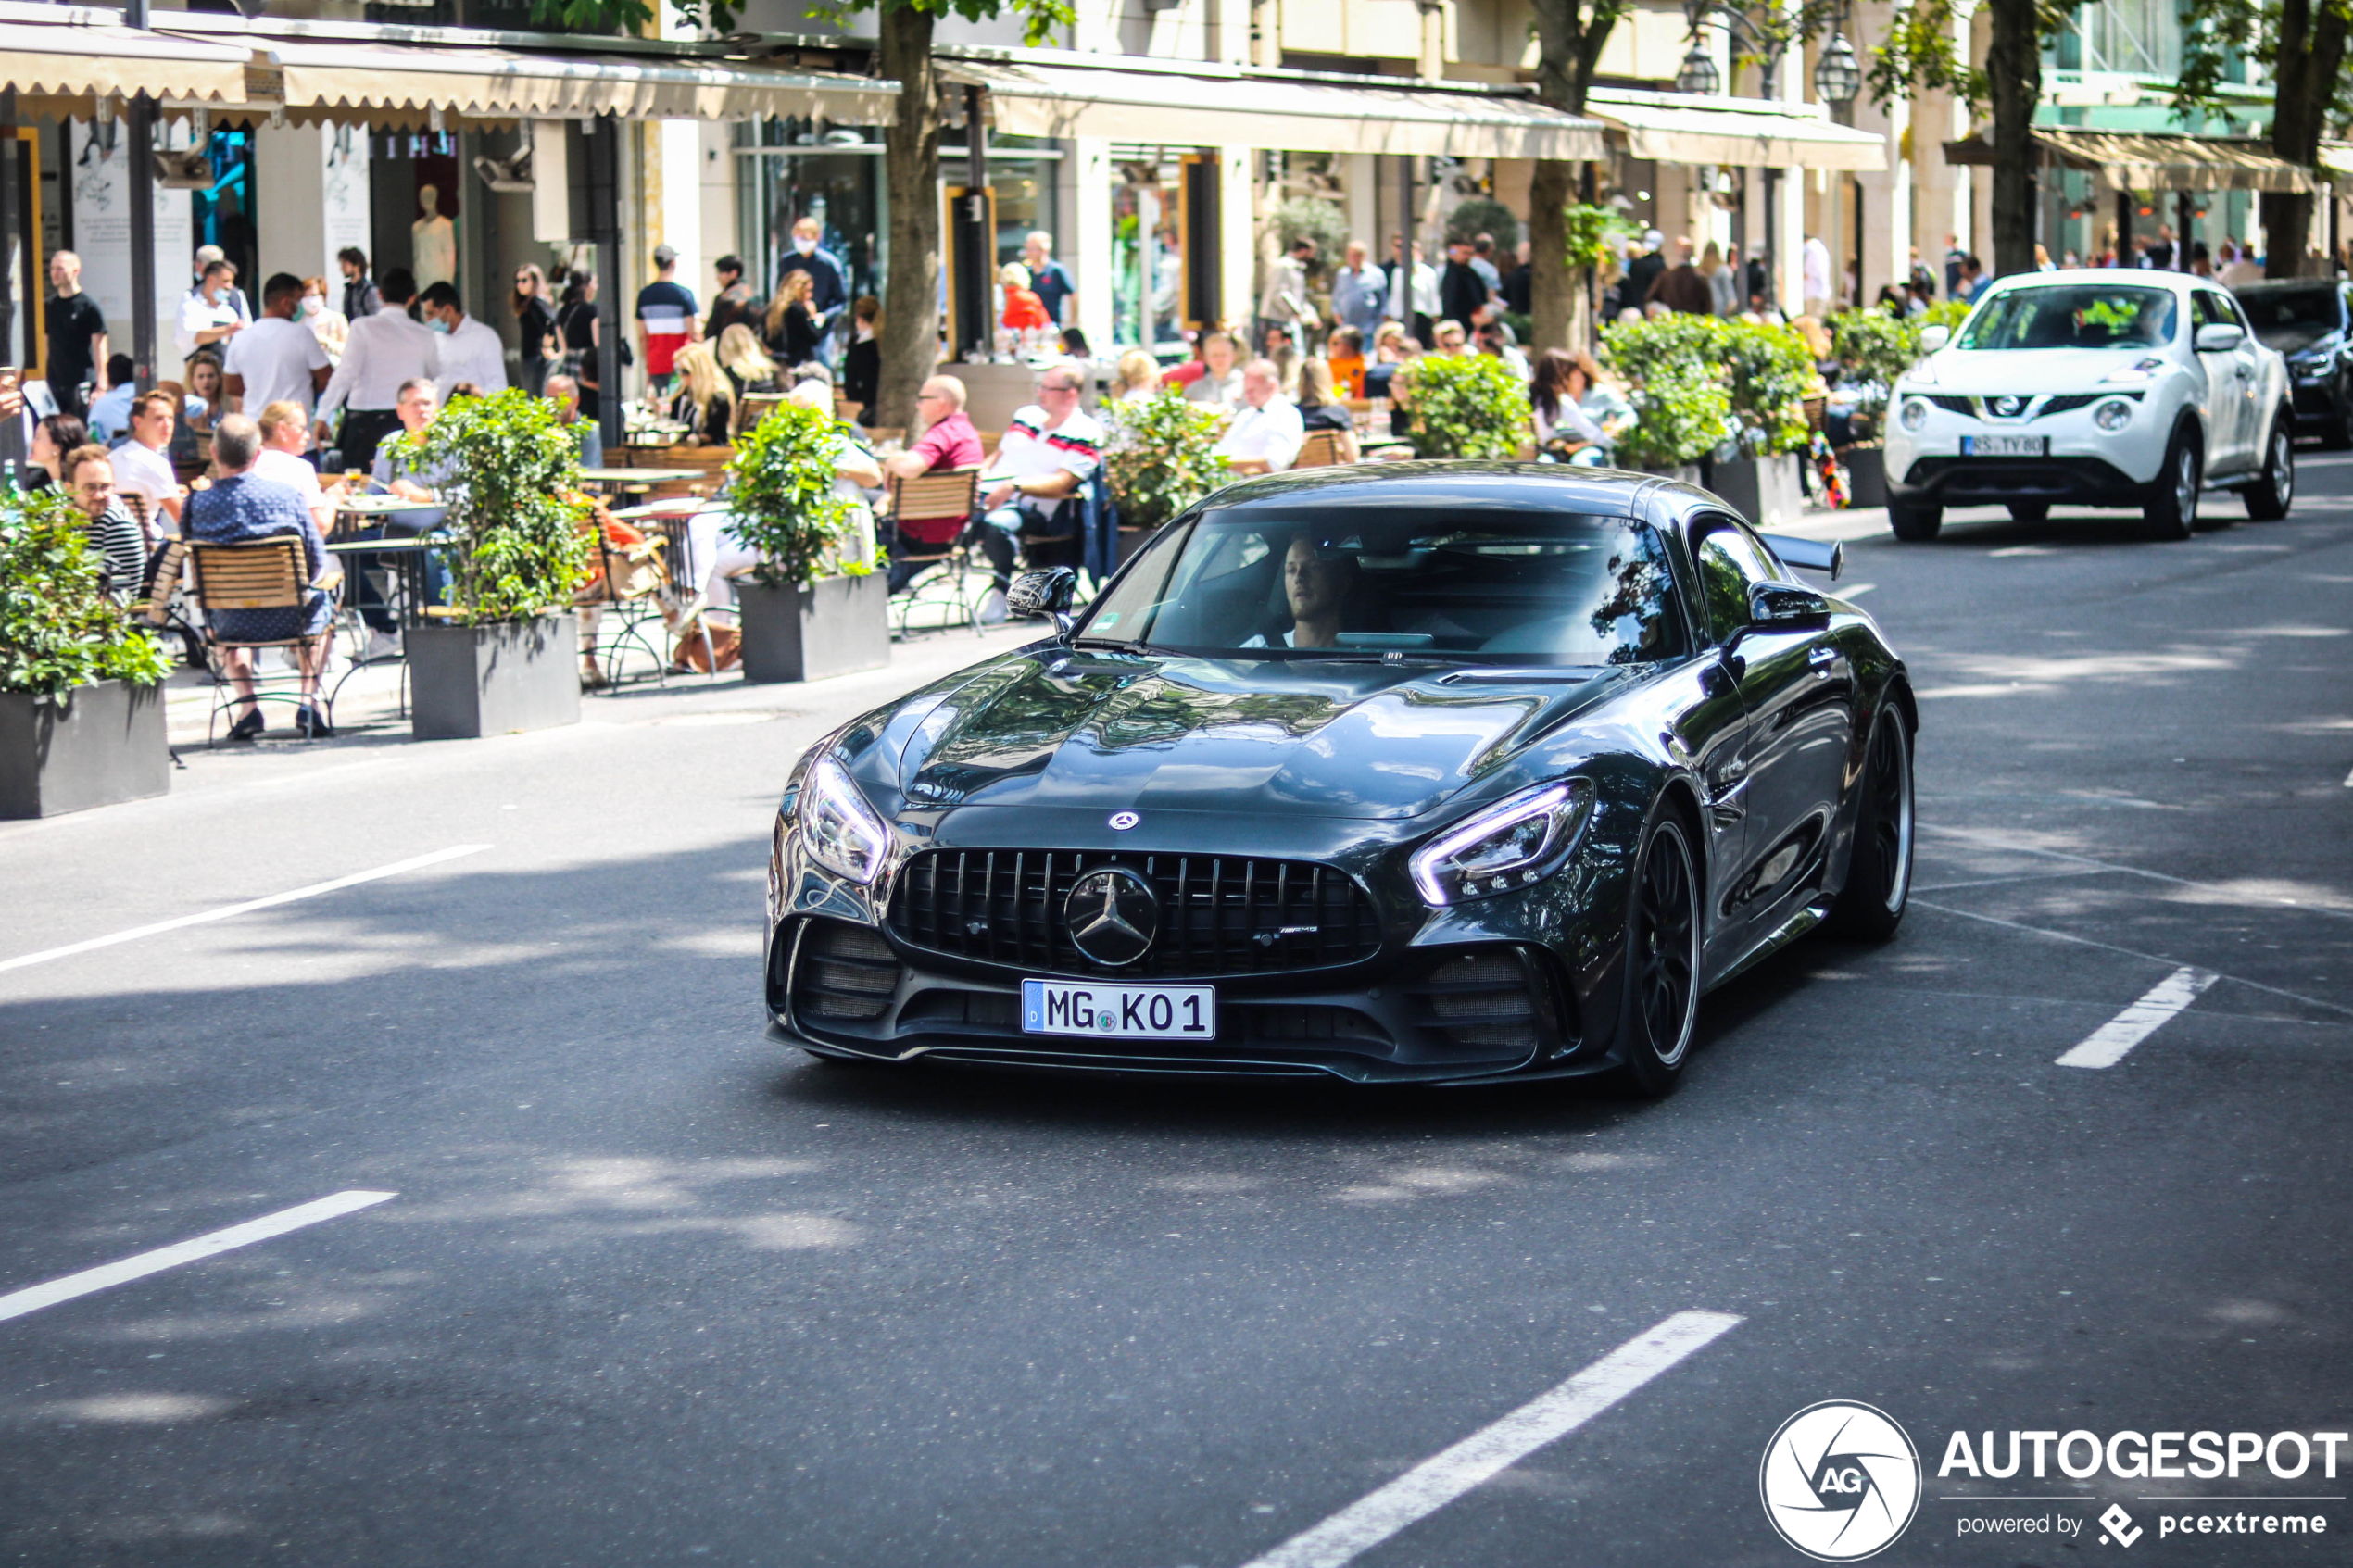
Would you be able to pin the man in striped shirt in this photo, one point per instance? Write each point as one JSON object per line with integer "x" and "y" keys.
{"x": 1050, "y": 452}
{"x": 666, "y": 312}
{"x": 88, "y": 479}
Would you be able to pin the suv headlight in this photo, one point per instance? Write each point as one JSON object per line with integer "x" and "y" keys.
{"x": 1517, "y": 841}
{"x": 845, "y": 836}
{"x": 1915, "y": 413}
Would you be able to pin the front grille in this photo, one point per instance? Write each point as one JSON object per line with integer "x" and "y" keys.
{"x": 1952, "y": 405}
{"x": 1220, "y": 914}
{"x": 2066, "y": 403}
{"x": 844, "y": 973}
{"x": 1492, "y": 999}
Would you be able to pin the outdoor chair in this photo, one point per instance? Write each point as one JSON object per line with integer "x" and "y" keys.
{"x": 265, "y": 574}
{"x": 1320, "y": 450}
{"x": 944, "y": 566}
{"x": 621, "y": 601}
{"x": 752, "y": 408}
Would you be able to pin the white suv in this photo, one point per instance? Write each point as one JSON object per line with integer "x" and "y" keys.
{"x": 2108, "y": 388}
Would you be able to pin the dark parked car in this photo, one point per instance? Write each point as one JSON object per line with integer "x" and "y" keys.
{"x": 1437, "y": 772}
{"x": 2310, "y": 322}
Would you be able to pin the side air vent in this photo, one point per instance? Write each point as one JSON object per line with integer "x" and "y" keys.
{"x": 844, "y": 973}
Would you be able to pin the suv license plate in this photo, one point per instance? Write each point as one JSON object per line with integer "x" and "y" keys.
{"x": 1119, "y": 1012}
{"x": 2004, "y": 446}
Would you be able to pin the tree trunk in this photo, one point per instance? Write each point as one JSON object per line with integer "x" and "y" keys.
{"x": 911, "y": 169}
{"x": 2013, "y": 83}
{"x": 2310, "y": 55}
{"x": 1551, "y": 282}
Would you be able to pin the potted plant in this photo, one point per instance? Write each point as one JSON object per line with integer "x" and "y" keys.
{"x": 814, "y": 605}
{"x": 82, "y": 719}
{"x": 506, "y": 655}
{"x": 1768, "y": 371}
{"x": 1874, "y": 349}
{"x": 1160, "y": 458}
{"x": 1682, "y": 407}
{"x": 1465, "y": 405}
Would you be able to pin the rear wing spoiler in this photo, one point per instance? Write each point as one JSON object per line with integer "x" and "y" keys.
{"x": 1812, "y": 555}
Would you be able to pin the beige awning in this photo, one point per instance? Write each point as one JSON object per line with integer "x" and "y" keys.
{"x": 387, "y": 79}
{"x": 62, "y": 68}
{"x": 1743, "y": 132}
{"x": 1283, "y": 110}
{"x": 2133, "y": 160}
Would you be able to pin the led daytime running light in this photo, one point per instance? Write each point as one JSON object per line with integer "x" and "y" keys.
{"x": 844, "y": 833}
{"x": 1436, "y": 866}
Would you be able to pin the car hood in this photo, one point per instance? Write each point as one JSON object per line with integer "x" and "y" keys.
{"x": 2026, "y": 372}
{"x": 2297, "y": 339}
{"x": 1095, "y": 732}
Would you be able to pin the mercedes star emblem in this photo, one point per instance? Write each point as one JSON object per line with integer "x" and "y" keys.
{"x": 1114, "y": 914}
{"x": 1122, "y": 821}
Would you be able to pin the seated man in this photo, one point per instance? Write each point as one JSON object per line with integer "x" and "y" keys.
{"x": 1318, "y": 588}
{"x": 87, "y": 477}
{"x": 416, "y": 403}
{"x": 236, "y": 508}
{"x": 563, "y": 391}
{"x": 286, "y": 436}
{"x": 948, "y": 442}
{"x": 1045, "y": 461}
{"x": 1266, "y": 432}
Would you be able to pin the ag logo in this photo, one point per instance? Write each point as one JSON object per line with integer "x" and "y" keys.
{"x": 1840, "y": 1481}
{"x": 2118, "y": 1524}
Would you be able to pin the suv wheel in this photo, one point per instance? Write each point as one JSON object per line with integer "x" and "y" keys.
{"x": 1913, "y": 522}
{"x": 2269, "y": 497}
{"x": 2340, "y": 432}
{"x": 2172, "y": 511}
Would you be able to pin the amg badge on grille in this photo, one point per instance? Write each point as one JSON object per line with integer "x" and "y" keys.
{"x": 1113, "y": 915}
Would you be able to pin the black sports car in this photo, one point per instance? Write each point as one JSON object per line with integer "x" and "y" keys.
{"x": 1440, "y": 771}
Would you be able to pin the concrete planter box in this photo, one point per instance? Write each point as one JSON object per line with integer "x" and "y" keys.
{"x": 469, "y": 681}
{"x": 1867, "y": 476}
{"x": 92, "y": 747}
{"x": 1764, "y": 490}
{"x": 831, "y": 627}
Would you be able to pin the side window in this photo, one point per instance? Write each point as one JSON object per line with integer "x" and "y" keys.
{"x": 2238, "y": 316}
{"x": 1730, "y": 562}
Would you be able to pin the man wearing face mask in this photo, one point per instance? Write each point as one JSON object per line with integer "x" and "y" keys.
{"x": 826, "y": 291}
{"x": 470, "y": 351}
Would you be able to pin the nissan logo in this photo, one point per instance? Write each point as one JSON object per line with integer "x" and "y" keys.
{"x": 1112, "y": 914}
{"x": 2007, "y": 407}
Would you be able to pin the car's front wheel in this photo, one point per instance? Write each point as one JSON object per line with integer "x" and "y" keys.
{"x": 1879, "y": 868}
{"x": 1662, "y": 958}
{"x": 1914, "y": 522}
{"x": 2340, "y": 430}
{"x": 2172, "y": 511}
{"x": 2269, "y": 497}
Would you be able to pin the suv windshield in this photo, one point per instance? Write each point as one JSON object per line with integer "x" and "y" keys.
{"x": 2074, "y": 316}
{"x": 1476, "y": 587}
{"x": 2288, "y": 316}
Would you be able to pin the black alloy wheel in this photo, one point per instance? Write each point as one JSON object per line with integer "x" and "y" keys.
{"x": 2269, "y": 497}
{"x": 1879, "y": 868}
{"x": 2171, "y": 513}
{"x": 1662, "y": 960}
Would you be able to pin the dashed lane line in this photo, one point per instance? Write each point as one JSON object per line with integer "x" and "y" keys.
{"x": 17, "y": 1303}
{"x": 2113, "y": 1041}
{"x": 1436, "y": 1482}
{"x": 203, "y": 916}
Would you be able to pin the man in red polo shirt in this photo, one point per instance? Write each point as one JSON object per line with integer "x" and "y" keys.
{"x": 948, "y": 442}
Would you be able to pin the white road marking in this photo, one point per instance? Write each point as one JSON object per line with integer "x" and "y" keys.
{"x": 1856, "y": 590}
{"x": 2107, "y": 1045}
{"x": 17, "y": 1303}
{"x": 1436, "y": 1482}
{"x": 136, "y": 931}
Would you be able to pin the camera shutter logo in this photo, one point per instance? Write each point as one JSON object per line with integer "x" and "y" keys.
{"x": 1840, "y": 1481}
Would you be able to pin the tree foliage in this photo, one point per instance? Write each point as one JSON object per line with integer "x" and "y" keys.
{"x": 783, "y": 501}
{"x": 58, "y": 627}
{"x": 1465, "y": 405}
{"x": 1698, "y": 382}
{"x": 2301, "y": 44}
{"x": 1875, "y": 348}
{"x": 510, "y": 489}
{"x": 1160, "y": 461}
{"x": 1484, "y": 214}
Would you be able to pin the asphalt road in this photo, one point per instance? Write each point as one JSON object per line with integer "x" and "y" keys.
{"x": 652, "y": 1290}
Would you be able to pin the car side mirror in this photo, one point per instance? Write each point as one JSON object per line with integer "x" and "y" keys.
{"x": 1785, "y": 607}
{"x": 1046, "y": 593}
{"x": 1934, "y": 337}
{"x": 2218, "y": 337}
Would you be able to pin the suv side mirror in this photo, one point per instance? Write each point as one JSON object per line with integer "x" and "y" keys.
{"x": 1934, "y": 337}
{"x": 1046, "y": 593}
{"x": 2218, "y": 337}
{"x": 1786, "y": 607}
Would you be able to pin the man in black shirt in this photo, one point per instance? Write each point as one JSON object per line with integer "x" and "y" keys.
{"x": 733, "y": 302}
{"x": 1462, "y": 292}
{"x": 77, "y": 337}
{"x": 361, "y": 296}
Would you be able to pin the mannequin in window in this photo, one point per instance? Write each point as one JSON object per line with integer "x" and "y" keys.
{"x": 432, "y": 242}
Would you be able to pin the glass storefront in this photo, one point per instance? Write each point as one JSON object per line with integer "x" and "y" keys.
{"x": 793, "y": 169}
{"x": 1146, "y": 249}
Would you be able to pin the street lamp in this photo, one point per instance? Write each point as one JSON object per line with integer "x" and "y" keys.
{"x": 1699, "y": 74}
{"x": 1837, "y": 76}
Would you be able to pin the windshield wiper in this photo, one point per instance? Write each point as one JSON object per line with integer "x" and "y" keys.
{"x": 1112, "y": 643}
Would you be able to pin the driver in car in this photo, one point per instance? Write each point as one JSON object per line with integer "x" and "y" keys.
{"x": 1318, "y": 588}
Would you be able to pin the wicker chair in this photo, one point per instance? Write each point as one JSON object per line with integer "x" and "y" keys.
{"x": 944, "y": 568}
{"x": 1320, "y": 450}
{"x": 265, "y": 574}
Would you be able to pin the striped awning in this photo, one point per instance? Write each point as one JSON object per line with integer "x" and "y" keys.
{"x": 66, "y": 67}
{"x": 2153, "y": 161}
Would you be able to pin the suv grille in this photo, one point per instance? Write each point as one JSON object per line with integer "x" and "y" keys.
{"x": 1220, "y": 914}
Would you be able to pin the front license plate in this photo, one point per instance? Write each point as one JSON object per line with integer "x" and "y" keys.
{"x": 2004, "y": 446}
{"x": 1118, "y": 1012}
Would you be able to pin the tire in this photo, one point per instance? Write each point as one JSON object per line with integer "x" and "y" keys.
{"x": 1915, "y": 523}
{"x": 2030, "y": 511}
{"x": 1878, "y": 865}
{"x": 2269, "y": 497}
{"x": 2340, "y": 432}
{"x": 1663, "y": 922}
{"x": 2172, "y": 511}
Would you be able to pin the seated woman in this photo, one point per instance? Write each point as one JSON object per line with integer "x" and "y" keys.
{"x": 748, "y": 366}
{"x": 53, "y": 438}
{"x": 1577, "y": 418}
{"x": 1318, "y": 411}
{"x": 1136, "y": 379}
{"x": 1346, "y": 356}
{"x": 1319, "y": 589}
{"x": 862, "y": 361}
{"x": 203, "y": 393}
{"x": 706, "y": 400}
{"x": 720, "y": 555}
{"x": 794, "y": 327}
{"x": 237, "y": 509}
{"x": 1024, "y": 312}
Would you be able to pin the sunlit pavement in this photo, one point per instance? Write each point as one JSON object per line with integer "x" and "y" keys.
{"x": 652, "y": 1289}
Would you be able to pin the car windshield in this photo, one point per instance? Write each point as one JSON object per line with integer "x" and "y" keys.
{"x": 2074, "y": 316}
{"x": 1476, "y": 587}
{"x": 2289, "y": 317}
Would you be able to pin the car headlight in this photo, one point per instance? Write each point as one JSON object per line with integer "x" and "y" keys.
{"x": 1510, "y": 845}
{"x": 1915, "y": 413}
{"x": 2145, "y": 368}
{"x": 845, "y": 836}
{"x": 2114, "y": 414}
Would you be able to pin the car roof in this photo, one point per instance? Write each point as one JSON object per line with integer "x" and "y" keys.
{"x": 1554, "y": 486}
{"x": 2282, "y": 286}
{"x": 2179, "y": 283}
